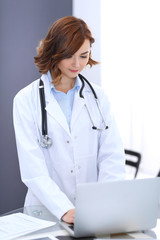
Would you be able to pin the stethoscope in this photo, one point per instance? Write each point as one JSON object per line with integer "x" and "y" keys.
{"x": 46, "y": 141}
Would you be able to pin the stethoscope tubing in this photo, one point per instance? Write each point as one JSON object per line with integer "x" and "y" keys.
{"x": 47, "y": 141}
{"x": 43, "y": 110}
{"x": 83, "y": 84}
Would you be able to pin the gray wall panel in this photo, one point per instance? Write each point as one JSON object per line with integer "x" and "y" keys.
{"x": 22, "y": 24}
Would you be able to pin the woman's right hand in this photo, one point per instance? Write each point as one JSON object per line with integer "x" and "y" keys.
{"x": 68, "y": 217}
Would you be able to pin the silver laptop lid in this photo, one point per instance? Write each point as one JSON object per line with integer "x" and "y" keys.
{"x": 114, "y": 207}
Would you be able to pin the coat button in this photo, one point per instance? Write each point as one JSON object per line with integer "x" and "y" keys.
{"x": 71, "y": 171}
{"x": 67, "y": 141}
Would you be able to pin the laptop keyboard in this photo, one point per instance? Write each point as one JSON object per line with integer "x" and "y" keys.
{"x": 71, "y": 227}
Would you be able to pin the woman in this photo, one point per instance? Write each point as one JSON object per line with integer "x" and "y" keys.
{"x": 79, "y": 153}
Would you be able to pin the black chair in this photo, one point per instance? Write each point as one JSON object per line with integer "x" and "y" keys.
{"x": 158, "y": 175}
{"x": 130, "y": 155}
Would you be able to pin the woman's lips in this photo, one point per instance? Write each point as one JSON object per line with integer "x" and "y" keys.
{"x": 74, "y": 71}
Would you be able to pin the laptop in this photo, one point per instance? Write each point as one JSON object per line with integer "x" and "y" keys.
{"x": 115, "y": 207}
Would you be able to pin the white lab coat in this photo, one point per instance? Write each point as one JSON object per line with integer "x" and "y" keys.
{"x": 76, "y": 156}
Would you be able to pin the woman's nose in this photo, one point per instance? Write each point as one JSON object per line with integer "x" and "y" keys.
{"x": 76, "y": 62}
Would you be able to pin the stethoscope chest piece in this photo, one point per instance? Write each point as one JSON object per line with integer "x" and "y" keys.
{"x": 46, "y": 142}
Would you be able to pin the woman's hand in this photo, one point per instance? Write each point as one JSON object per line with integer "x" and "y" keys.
{"x": 68, "y": 217}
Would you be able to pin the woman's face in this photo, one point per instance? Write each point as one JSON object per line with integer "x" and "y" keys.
{"x": 70, "y": 67}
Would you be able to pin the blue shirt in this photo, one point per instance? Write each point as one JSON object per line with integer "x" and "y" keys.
{"x": 65, "y": 100}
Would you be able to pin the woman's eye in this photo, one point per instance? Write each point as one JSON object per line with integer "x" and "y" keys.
{"x": 83, "y": 56}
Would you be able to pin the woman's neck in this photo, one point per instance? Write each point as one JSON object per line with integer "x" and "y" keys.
{"x": 65, "y": 84}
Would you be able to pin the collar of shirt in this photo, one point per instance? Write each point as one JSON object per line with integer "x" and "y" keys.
{"x": 75, "y": 88}
{"x": 64, "y": 100}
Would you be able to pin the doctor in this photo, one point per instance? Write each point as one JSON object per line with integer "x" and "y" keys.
{"x": 78, "y": 152}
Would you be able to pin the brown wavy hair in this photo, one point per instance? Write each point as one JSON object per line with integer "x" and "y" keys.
{"x": 63, "y": 39}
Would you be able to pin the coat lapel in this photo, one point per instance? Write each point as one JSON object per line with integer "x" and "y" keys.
{"x": 78, "y": 104}
{"x": 52, "y": 106}
{"x": 55, "y": 111}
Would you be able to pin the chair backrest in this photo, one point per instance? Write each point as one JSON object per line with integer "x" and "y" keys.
{"x": 129, "y": 159}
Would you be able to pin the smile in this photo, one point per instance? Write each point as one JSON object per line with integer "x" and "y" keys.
{"x": 74, "y": 71}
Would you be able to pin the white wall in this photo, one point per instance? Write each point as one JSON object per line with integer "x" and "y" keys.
{"x": 89, "y": 11}
{"x": 131, "y": 73}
